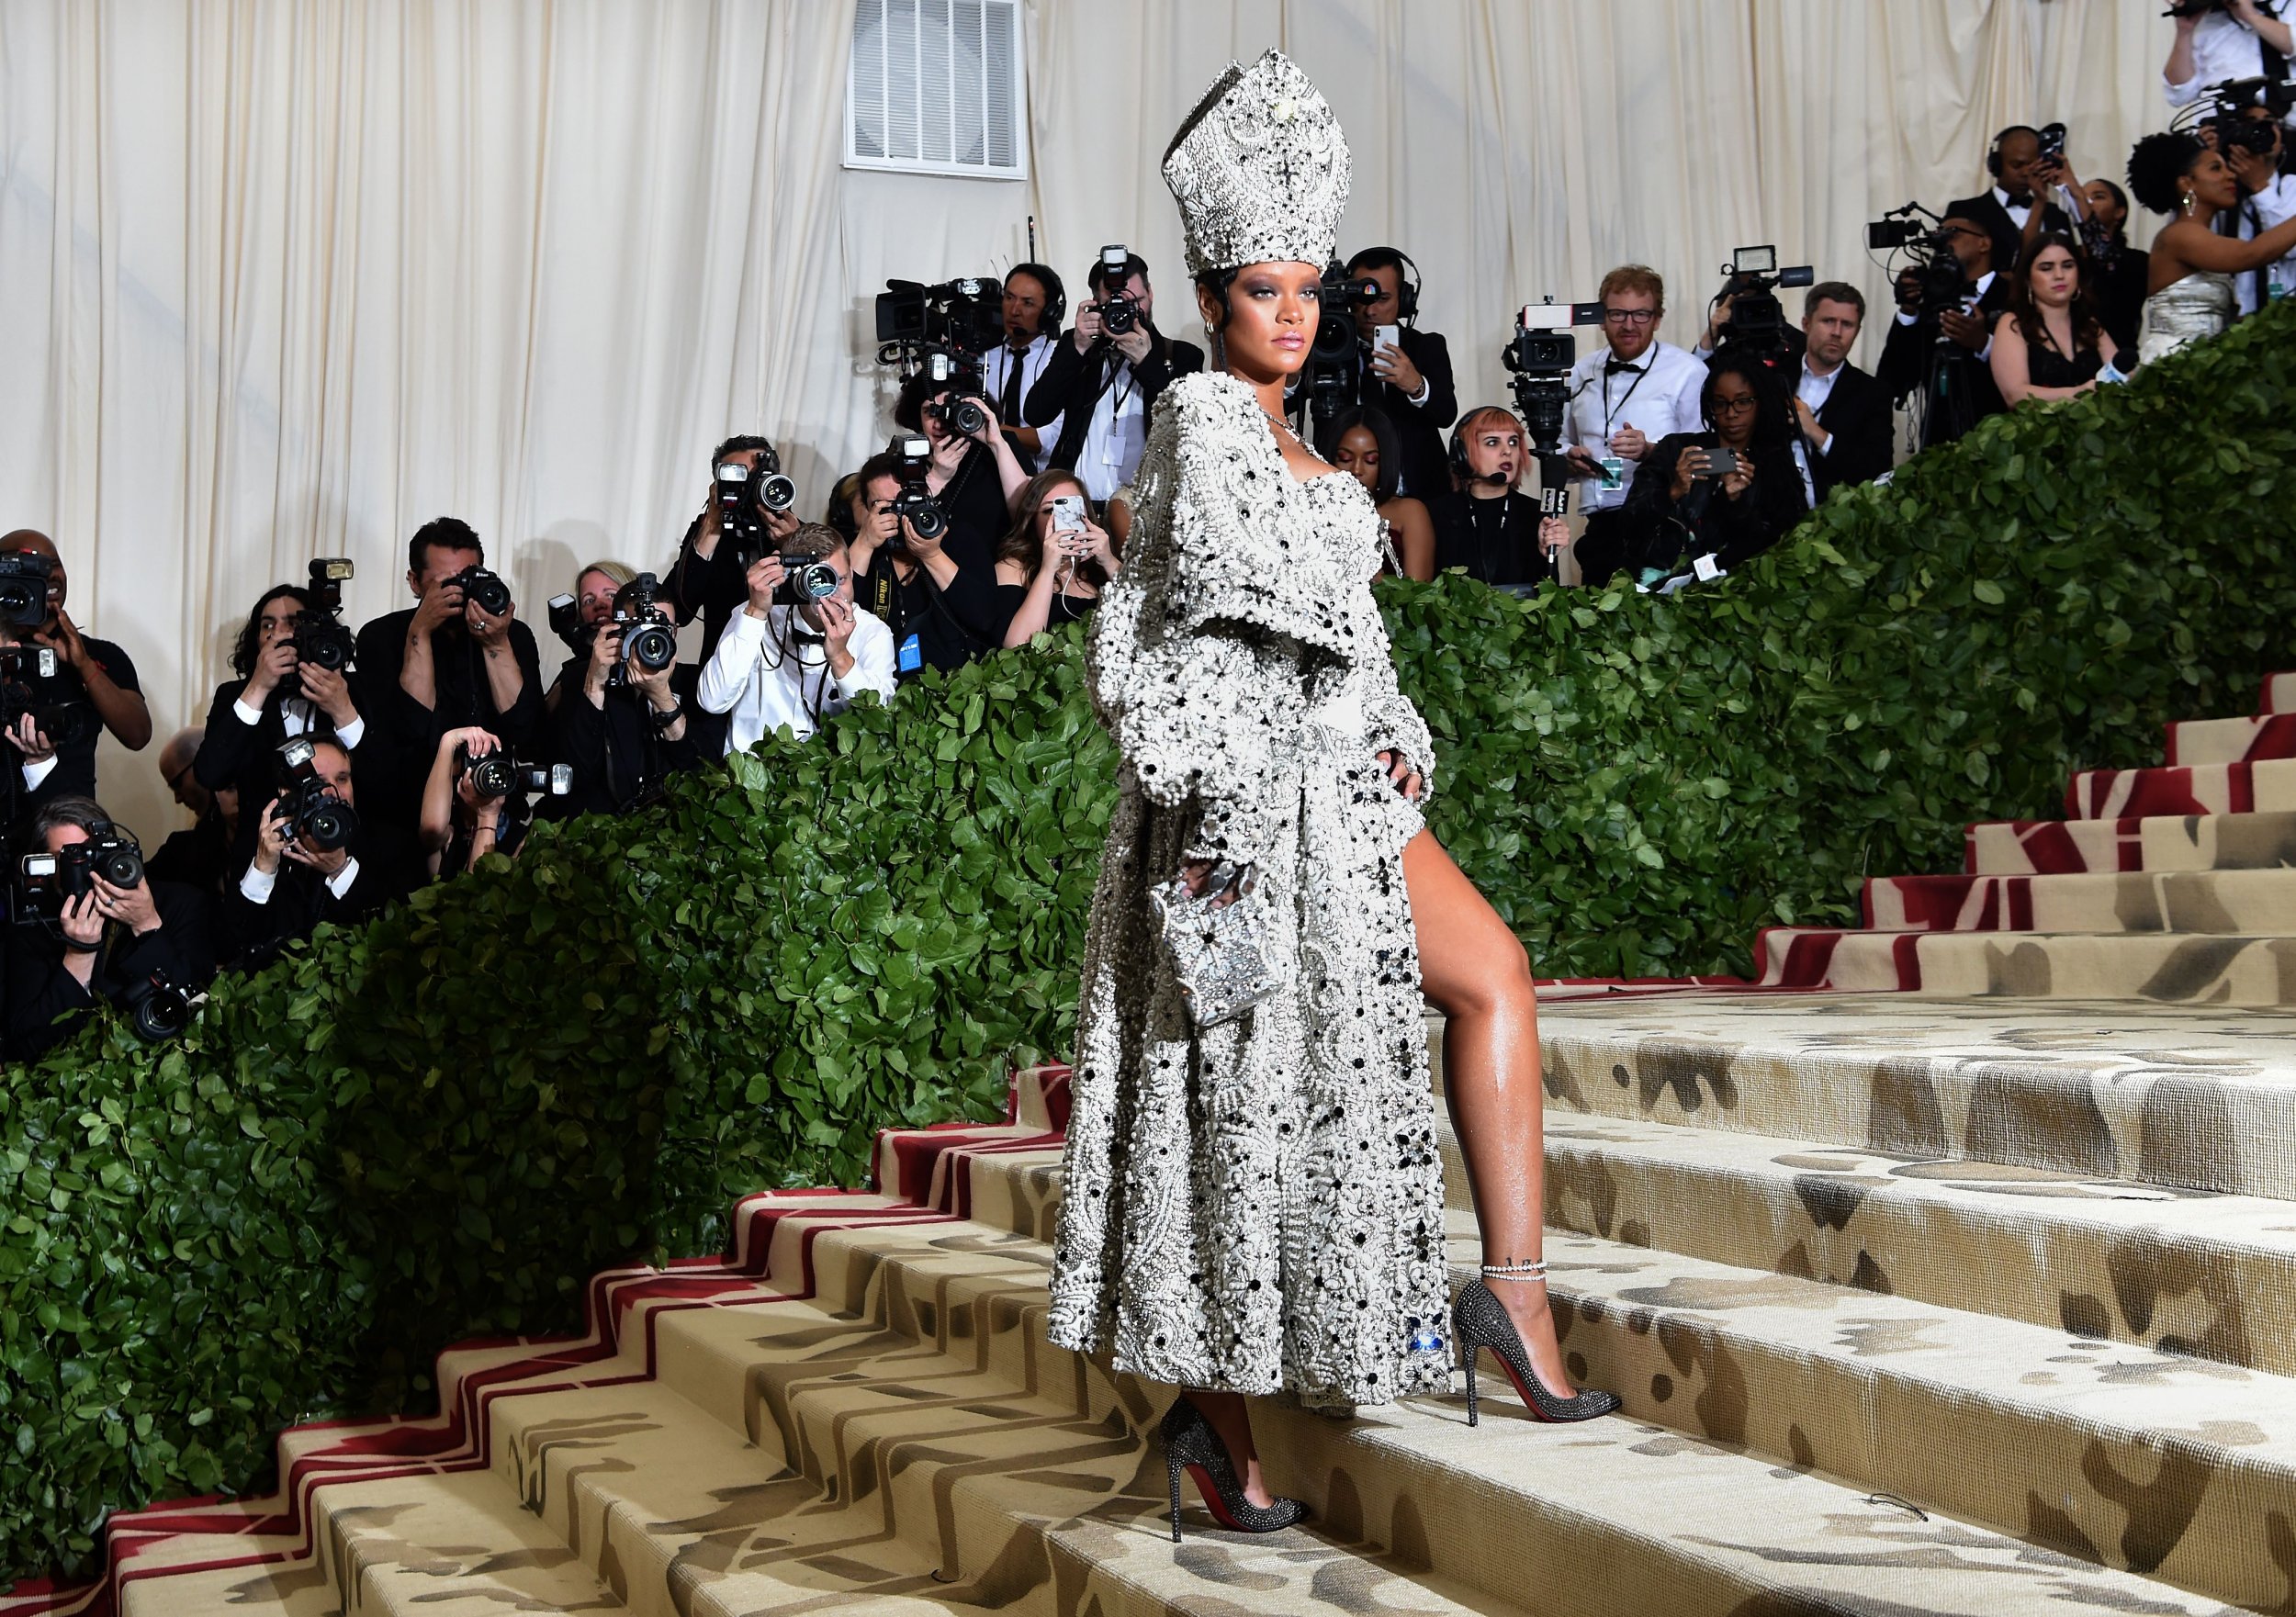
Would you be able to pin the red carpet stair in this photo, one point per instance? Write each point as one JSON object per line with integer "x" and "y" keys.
{"x": 2175, "y": 884}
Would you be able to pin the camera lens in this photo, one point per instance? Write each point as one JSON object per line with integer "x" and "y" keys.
{"x": 161, "y": 1013}
{"x": 924, "y": 514}
{"x": 487, "y": 589}
{"x": 326, "y": 824}
{"x": 813, "y": 582}
{"x": 493, "y": 776}
{"x": 122, "y": 866}
{"x": 651, "y": 646}
{"x": 776, "y": 493}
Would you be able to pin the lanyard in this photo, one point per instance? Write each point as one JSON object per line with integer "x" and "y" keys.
{"x": 1609, "y": 414}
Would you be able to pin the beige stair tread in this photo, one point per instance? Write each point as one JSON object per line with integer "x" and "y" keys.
{"x": 2159, "y": 842}
{"x": 2127, "y": 903}
{"x": 2193, "y": 1096}
{"x": 2199, "y": 1274}
{"x": 2177, "y": 969}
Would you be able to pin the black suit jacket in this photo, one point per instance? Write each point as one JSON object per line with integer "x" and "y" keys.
{"x": 1072, "y": 381}
{"x": 2008, "y": 242}
{"x": 46, "y": 1002}
{"x": 300, "y": 898}
{"x": 1427, "y": 459}
{"x": 1908, "y": 356}
{"x": 238, "y": 756}
{"x": 402, "y": 735}
{"x": 1857, "y": 414}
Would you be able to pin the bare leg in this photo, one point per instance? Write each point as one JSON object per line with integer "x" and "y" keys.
{"x": 1231, "y": 1419}
{"x": 1474, "y": 970}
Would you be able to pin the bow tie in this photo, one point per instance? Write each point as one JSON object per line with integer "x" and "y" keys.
{"x": 1612, "y": 366}
{"x": 805, "y": 636}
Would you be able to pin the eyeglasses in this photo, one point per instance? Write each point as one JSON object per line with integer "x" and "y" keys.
{"x": 1630, "y": 317}
{"x": 1732, "y": 406}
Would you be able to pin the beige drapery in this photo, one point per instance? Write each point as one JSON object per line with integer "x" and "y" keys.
{"x": 282, "y": 279}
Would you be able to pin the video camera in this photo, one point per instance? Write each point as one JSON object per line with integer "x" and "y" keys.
{"x": 963, "y": 317}
{"x": 916, "y": 505}
{"x": 1336, "y": 370}
{"x": 316, "y": 818}
{"x": 2231, "y": 101}
{"x": 23, "y": 576}
{"x": 1540, "y": 358}
{"x": 52, "y": 879}
{"x": 745, "y": 499}
{"x": 1757, "y": 322}
{"x": 1928, "y": 251}
{"x": 319, "y": 637}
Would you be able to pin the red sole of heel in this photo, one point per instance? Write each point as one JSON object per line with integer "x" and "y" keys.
{"x": 1202, "y": 1479}
{"x": 1523, "y": 1392}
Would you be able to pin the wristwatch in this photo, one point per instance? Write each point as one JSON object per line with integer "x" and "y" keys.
{"x": 664, "y": 717}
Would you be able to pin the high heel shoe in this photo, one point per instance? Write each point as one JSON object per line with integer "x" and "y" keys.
{"x": 1481, "y": 1320}
{"x": 1191, "y": 1445}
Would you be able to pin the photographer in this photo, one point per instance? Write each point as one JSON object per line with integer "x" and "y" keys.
{"x": 781, "y": 663}
{"x": 1717, "y": 497}
{"x": 200, "y": 855}
{"x": 1486, "y": 525}
{"x": 1102, "y": 384}
{"x": 1034, "y": 301}
{"x": 2252, "y": 144}
{"x": 2220, "y": 40}
{"x": 1630, "y": 393}
{"x": 446, "y": 663}
{"x": 460, "y": 825}
{"x": 1050, "y": 567}
{"x": 1408, "y": 382}
{"x": 93, "y": 680}
{"x": 1842, "y": 413}
{"x": 697, "y": 583}
{"x": 619, "y": 724}
{"x": 2048, "y": 344}
{"x": 2120, "y": 272}
{"x": 293, "y": 881}
{"x": 1941, "y": 356}
{"x": 106, "y": 943}
{"x": 2012, "y": 213}
{"x": 276, "y": 696}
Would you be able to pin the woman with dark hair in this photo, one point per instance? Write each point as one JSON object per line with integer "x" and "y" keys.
{"x": 1364, "y": 441}
{"x": 2191, "y": 275}
{"x": 1047, "y": 573}
{"x": 1720, "y": 496}
{"x": 2048, "y": 344}
{"x": 2118, "y": 272}
{"x": 277, "y": 696}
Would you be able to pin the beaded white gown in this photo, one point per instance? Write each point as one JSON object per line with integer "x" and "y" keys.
{"x": 1258, "y": 1207}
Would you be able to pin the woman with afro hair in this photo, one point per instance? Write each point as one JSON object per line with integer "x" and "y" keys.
{"x": 2175, "y": 173}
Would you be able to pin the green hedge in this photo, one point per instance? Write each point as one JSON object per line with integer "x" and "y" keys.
{"x": 441, "y": 1124}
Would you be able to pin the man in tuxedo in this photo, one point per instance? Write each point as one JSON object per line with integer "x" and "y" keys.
{"x": 288, "y": 888}
{"x": 1412, "y": 380}
{"x": 1034, "y": 302}
{"x": 1842, "y": 413}
{"x": 1101, "y": 386}
{"x": 2010, "y": 213}
{"x": 1943, "y": 355}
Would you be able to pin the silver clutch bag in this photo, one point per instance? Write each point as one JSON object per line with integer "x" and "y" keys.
{"x": 1224, "y": 955}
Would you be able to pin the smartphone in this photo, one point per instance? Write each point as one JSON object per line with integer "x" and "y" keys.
{"x": 1386, "y": 337}
{"x": 1720, "y": 461}
{"x": 1068, "y": 513}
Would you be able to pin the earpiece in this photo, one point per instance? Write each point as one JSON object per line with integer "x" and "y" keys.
{"x": 1458, "y": 452}
{"x": 1407, "y": 294}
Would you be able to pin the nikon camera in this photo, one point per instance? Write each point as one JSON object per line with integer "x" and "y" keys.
{"x": 51, "y": 879}
{"x": 316, "y": 818}
{"x": 321, "y": 639}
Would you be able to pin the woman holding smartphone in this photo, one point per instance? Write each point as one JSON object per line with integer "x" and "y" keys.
{"x": 1052, "y": 563}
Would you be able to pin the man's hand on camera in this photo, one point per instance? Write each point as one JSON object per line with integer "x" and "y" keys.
{"x": 2255, "y": 170}
{"x": 272, "y": 836}
{"x": 329, "y": 692}
{"x": 327, "y": 862}
{"x": 653, "y": 684}
{"x": 1717, "y": 320}
{"x": 1967, "y": 331}
{"x": 276, "y": 662}
{"x": 28, "y": 738}
{"x": 1088, "y": 328}
{"x": 83, "y": 920}
{"x": 1909, "y": 291}
{"x": 780, "y": 525}
{"x": 1394, "y": 368}
{"x": 920, "y": 549}
{"x": 486, "y": 628}
{"x": 441, "y": 604}
{"x": 605, "y": 650}
{"x": 64, "y": 639}
{"x": 1133, "y": 344}
{"x": 766, "y": 574}
{"x": 131, "y": 906}
{"x": 836, "y": 618}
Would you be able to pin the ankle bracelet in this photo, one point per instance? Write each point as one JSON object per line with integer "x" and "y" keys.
{"x": 1534, "y": 1270}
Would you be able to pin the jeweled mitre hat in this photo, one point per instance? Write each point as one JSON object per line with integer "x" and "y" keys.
{"x": 1259, "y": 170}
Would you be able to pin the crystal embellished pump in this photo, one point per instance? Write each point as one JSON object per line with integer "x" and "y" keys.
{"x": 1479, "y": 1320}
{"x": 1191, "y": 1445}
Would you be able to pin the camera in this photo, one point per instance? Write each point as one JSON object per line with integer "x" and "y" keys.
{"x": 316, "y": 818}
{"x": 487, "y": 589}
{"x": 501, "y": 775}
{"x": 2184, "y": 9}
{"x": 806, "y": 578}
{"x": 1540, "y": 357}
{"x": 320, "y": 638}
{"x": 1757, "y": 322}
{"x": 71, "y": 872}
{"x": 1336, "y": 372}
{"x": 25, "y": 670}
{"x": 23, "y": 576}
{"x": 1119, "y": 310}
{"x": 158, "y": 1009}
{"x": 1928, "y": 251}
{"x": 916, "y": 505}
{"x": 964, "y": 317}
{"x": 647, "y": 638}
{"x": 745, "y": 499}
{"x": 964, "y": 411}
{"x": 2232, "y": 101}
{"x": 565, "y": 622}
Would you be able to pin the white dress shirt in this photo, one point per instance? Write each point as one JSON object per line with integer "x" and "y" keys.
{"x": 995, "y": 365}
{"x": 767, "y": 678}
{"x": 1658, "y": 397}
{"x": 2274, "y": 203}
{"x": 1815, "y": 388}
{"x": 256, "y": 886}
{"x": 300, "y": 718}
{"x": 1115, "y": 438}
{"x": 2223, "y": 48}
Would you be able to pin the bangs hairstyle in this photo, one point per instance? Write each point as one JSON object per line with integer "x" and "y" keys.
{"x": 1390, "y": 444}
{"x": 249, "y": 645}
{"x": 1473, "y": 423}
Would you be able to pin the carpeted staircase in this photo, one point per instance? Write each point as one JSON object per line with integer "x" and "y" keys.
{"x": 1916, "y": 1305}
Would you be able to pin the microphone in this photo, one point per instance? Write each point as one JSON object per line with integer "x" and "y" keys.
{"x": 1491, "y": 477}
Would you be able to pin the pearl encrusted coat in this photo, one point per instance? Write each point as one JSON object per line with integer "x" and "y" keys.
{"x": 1258, "y": 1207}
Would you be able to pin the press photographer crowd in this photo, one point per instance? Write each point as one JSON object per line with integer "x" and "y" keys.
{"x": 337, "y": 771}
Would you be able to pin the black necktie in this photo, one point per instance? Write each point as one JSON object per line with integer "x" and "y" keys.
{"x": 1611, "y": 368}
{"x": 1009, "y": 406}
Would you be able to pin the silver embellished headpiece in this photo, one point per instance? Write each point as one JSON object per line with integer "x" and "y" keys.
{"x": 1259, "y": 170}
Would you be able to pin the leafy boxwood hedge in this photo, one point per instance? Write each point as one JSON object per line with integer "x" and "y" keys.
{"x": 438, "y": 1126}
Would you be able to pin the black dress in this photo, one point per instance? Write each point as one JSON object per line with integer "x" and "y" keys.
{"x": 1496, "y": 541}
{"x": 2045, "y": 367}
{"x": 1655, "y": 531}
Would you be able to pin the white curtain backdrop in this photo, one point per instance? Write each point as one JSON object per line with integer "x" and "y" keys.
{"x": 283, "y": 278}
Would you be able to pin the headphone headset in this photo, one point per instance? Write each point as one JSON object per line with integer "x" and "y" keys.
{"x": 1406, "y": 291}
{"x": 1055, "y": 294}
{"x": 1458, "y": 451}
{"x": 1993, "y": 153}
